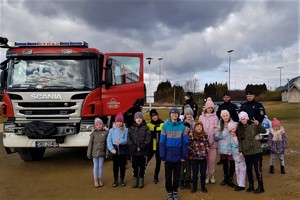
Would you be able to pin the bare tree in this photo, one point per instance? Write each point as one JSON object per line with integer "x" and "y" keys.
{"x": 192, "y": 85}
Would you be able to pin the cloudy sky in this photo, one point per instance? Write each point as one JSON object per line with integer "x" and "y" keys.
{"x": 192, "y": 36}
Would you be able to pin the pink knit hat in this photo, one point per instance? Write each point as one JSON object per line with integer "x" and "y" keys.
{"x": 275, "y": 122}
{"x": 243, "y": 115}
{"x": 98, "y": 121}
{"x": 209, "y": 103}
{"x": 231, "y": 126}
{"x": 119, "y": 118}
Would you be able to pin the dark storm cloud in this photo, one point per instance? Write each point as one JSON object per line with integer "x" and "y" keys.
{"x": 140, "y": 19}
{"x": 192, "y": 36}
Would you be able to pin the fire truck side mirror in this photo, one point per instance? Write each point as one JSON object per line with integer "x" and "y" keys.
{"x": 108, "y": 74}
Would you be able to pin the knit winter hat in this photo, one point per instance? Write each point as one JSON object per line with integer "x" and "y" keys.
{"x": 119, "y": 118}
{"x": 275, "y": 122}
{"x": 209, "y": 103}
{"x": 243, "y": 115}
{"x": 138, "y": 114}
{"x": 153, "y": 112}
{"x": 188, "y": 110}
{"x": 224, "y": 112}
{"x": 174, "y": 110}
{"x": 98, "y": 121}
{"x": 231, "y": 126}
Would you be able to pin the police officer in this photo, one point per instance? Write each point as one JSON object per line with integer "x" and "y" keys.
{"x": 230, "y": 107}
{"x": 188, "y": 97}
{"x": 253, "y": 108}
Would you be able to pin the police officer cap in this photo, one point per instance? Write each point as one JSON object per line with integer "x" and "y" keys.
{"x": 249, "y": 92}
{"x": 226, "y": 94}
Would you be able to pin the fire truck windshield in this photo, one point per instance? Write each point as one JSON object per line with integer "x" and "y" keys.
{"x": 51, "y": 74}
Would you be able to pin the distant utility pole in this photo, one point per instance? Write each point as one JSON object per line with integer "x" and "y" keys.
{"x": 280, "y": 74}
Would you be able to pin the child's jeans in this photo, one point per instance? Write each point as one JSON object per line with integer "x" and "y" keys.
{"x": 98, "y": 166}
{"x": 280, "y": 156}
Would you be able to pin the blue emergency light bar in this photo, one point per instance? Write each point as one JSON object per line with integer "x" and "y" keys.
{"x": 81, "y": 44}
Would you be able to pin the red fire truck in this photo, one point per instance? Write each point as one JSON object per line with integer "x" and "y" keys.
{"x": 53, "y": 91}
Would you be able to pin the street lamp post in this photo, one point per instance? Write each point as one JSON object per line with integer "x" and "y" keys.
{"x": 159, "y": 59}
{"x": 149, "y": 89}
{"x": 229, "y": 59}
{"x": 280, "y": 74}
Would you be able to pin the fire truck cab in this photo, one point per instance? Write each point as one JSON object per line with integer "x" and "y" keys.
{"x": 53, "y": 91}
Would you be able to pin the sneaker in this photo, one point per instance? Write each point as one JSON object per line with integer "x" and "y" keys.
{"x": 212, "y": 179}
{"x": 207, "y": 179}
{"x": 115, "y": 184}
{"x": 122, "y": 183}
{"x": 175, "y": 196}
{"x": 156, "y": 180}
{"x": 169, "y": 196}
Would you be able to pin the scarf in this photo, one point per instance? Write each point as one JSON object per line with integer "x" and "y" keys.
{"x": 277, "y": 135}
{"x": 197, "y": 135}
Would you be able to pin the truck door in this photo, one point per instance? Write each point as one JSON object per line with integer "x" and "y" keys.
{"x": 127, "y": 82}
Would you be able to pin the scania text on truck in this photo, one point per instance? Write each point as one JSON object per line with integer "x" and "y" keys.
{"x": 53, "y": 91}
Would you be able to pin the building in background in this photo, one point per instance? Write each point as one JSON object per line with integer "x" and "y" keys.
{"x": 291, "y": 91}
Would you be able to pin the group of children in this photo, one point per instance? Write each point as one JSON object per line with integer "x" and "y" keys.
{"x": 187, "y": 147}
{"x": 139, "y": 141}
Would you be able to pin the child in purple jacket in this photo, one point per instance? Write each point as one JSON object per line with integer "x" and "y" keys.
{"x": 277, "y": 141}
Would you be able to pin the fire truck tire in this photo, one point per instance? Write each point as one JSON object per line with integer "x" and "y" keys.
{"x": 31, "y": 154}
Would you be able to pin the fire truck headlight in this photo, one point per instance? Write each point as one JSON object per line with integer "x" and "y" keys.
{"x": 86, "y": 127}
{"x": 9, "y": 128}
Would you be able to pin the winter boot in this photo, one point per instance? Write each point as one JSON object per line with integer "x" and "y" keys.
{"x": 96, "y": 183}
{"x": 212, "y": 179}
{"x": 225, "y": 180}
{"x": 230, "y": 182}
{"x": 115, "y": 183}
{"x": 187, "y": 185}
{"x": 250, "y": 188}
{"x": 271, "y": 169}
{"x": 203, "y": 188}
{"x": 156, "y": 180}
{"x": 207, "y": 179}
{"x": 141, "y": 182}
{"x": 194, "y": 189}
{"x": 260, "y": 189}
{"x": 100, "y": 183}
{"x": 181, "y": 185}
{"x": 175, "y": 196}
{"x": 135, "y": 182}
{"x": 169, "y": 196}
{"x": 122, "y": 183}
{"x": 282, "y": 169}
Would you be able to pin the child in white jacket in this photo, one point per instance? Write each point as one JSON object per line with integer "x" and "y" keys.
{"x": 239, "y": 160}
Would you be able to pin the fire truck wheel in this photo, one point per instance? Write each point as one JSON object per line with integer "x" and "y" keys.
{"x": 31, "y": 154}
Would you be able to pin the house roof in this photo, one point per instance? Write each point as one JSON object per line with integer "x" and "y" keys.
{"x": 294, "y": 82}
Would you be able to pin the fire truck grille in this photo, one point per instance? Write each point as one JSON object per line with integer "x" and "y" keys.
{"x": 46, "y": 104}
{"x": 47, "y": 112}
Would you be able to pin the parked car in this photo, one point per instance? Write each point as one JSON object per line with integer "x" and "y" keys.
{"x": 264, "y": 141}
